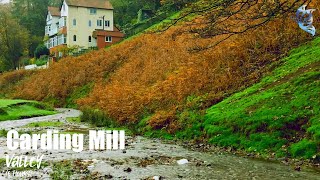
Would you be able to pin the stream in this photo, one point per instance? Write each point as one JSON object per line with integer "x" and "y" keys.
{"x": 143, "y": 158}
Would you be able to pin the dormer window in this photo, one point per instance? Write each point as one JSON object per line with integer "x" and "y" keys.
{"x": 93, "y": 11}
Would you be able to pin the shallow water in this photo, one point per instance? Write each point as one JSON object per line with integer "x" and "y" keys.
{"x": 145, "y": 158}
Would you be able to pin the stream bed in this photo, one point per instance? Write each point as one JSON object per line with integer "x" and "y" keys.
{"x": 143, "y": 158}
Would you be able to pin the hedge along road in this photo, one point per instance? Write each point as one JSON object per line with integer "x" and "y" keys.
{"x": 143, "y": 158}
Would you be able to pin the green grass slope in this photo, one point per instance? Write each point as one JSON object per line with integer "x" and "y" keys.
{"x": 280, "y": 115}
{"x": 18, "y": 109}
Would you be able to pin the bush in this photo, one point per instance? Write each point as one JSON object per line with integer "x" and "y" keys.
{"x": 3, "y": 133}
{"x": 10, "y": 79}
{"x": 304, "y": 148}
{"x": 97, "y": 118}
{"x": 42, "y": 61}
{"x": 3, "y": 112}
{"x": 41, "y": 50}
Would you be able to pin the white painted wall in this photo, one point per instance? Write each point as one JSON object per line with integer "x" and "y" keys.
{"x": 52, "y": 22}
{"x": 82, "y": 29}
{"x": 64, "y": 9}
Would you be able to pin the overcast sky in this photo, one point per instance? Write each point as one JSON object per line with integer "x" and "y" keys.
{"x": 5, "y": 1}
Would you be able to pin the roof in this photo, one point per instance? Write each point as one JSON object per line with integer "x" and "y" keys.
{"x": 100, "y": 4}
{"x": 54, "y": 11}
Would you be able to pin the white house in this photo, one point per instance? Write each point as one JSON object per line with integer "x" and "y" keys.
{"x": 84, "y": 23}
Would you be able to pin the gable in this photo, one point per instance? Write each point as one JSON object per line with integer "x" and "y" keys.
{"x": 54, "y": 11}
{"x": 49, "y": 17}
{"x": 64, "y": 9}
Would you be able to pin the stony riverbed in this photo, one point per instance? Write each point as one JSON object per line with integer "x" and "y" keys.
{"x": 143, "y": 159}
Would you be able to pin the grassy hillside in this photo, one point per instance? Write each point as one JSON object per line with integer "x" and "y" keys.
{"x": 18, "y": 109}
{"x": 279, "y": 114}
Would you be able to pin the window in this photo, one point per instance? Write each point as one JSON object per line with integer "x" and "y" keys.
{"x": 89, "y": 38}
{"x": 93, "y": 11}
{"x": 90, "y": 23}
{"x": 74, "y": 38}
{"x": 74, "y": 22}
{"x": 107, "y": 23}
{"x": 108, "y": 39}
{"x": 62, "y": 39}
{"x": 99, "y": 22}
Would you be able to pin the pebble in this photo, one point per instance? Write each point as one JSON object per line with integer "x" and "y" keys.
{"x": 127, "y": 169}
{"x": 183, "y": 161}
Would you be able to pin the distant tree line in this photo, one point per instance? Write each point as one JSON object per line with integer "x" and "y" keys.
{"x": 22, "y": 25}
{"x": 126, "y": 11}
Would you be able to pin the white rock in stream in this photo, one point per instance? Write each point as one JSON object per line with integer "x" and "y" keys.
{"x": 156, "y": 178}
{"x": 90, "y": 168}
{"x": 183, "y": 161}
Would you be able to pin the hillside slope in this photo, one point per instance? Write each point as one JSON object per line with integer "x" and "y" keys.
{"x": 279, "y": 114}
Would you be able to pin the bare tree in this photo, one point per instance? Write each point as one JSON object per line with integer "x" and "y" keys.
{"x": 226, "y": 18}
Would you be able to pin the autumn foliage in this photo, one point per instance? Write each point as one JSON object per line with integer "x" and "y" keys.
{"x": 154, "y": 74}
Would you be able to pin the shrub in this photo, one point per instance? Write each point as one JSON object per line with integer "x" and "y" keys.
{"x": 304, "y": 148}
{"x": 10, "y": 79}
{"x": 42, "y": 61}
{"x": 3, "y": 112}
{"x": 3, "y": 133}
{"x": 97, "y": 118}
{"x": 41, "y": 50}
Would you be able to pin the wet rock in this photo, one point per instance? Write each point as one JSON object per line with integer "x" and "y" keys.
{"x": 127, "y": 170}
{"x": 183, "y": 161}
{"x": 47, "y": 170}
{"x": 198, "y": 164}
{"x": 91, "y": 167}
{"x": 108, "y": 176}
{"x": 157, "y": 178}
{"x": 297, "y": 168}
